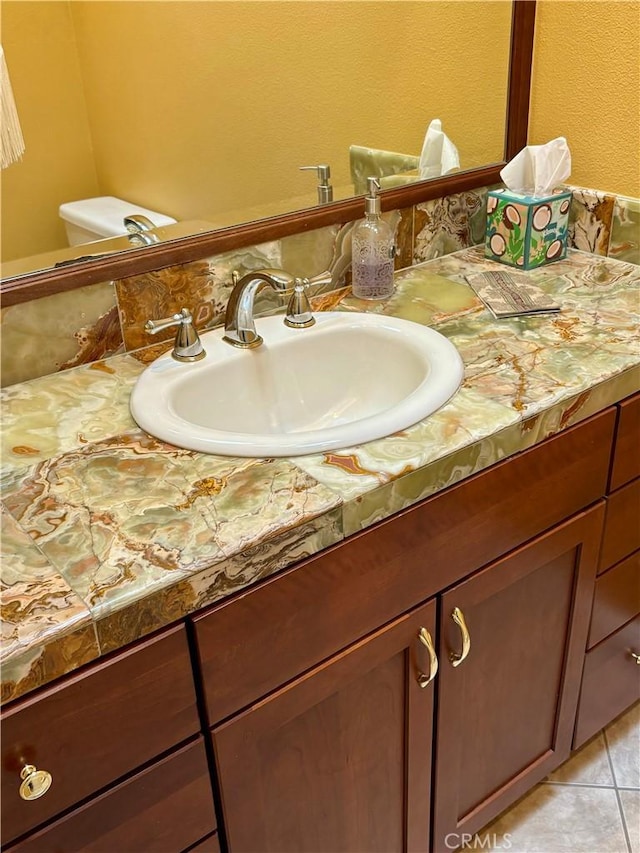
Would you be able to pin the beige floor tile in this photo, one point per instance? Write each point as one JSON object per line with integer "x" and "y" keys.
{"x": 623, "y": 740}
{"x": 589, "y": 766}
{"x": 631, "y": 809}
{"x": 560, "y": 819}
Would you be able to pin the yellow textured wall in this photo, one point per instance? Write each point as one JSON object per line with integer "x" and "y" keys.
{"x": 39, "y": 44}
{"x": 586, "y": 87}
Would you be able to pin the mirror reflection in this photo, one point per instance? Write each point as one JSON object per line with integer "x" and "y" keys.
{"x": 204, "y": 112}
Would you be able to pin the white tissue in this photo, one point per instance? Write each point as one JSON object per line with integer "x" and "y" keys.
{"x": 538, "y": 169}
{"x": 439, "y": 155}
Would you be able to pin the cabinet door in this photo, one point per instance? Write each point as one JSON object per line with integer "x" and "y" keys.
{"x": 339, "y": 759}
{"x": 506, "y": 712}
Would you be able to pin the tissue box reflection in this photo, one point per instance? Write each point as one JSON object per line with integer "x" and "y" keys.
{"x": 524, "y": 231}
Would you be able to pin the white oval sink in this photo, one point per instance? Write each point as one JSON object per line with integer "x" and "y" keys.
{"x": 348, "y": 379}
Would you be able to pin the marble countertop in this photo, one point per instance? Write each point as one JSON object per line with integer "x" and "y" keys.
{"x": 108, "y": 534}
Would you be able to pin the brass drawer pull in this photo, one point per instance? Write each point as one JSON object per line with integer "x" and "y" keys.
{"x": 35, "y": 783}
{"x": 635, "y": 656}
{"x": 458, "y": 617}
{"x": 425, "y": 638}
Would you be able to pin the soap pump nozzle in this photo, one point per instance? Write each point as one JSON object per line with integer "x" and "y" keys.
{"x": 325, "y": 190}
{"x": 372, "y": 199}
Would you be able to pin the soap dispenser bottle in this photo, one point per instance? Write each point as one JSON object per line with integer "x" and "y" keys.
{"x": 373, "y": 250}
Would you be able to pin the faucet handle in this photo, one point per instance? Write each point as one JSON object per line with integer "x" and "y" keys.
{"x": 299, "y": 314}
{"x": 187, "y": 346}
{"x": 320, "y": 280}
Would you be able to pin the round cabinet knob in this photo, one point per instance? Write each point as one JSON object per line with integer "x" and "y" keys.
{"x": 635, "y": 656}
{"x": 35, "y": 783}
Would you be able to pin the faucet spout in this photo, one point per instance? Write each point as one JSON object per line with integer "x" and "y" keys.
{"x": 239, "y": 326}
{"x": 138, "y": 222}
{"x": 139, "y": 228}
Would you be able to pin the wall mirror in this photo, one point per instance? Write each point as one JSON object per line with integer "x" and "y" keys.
{"x": 205, "y": 110}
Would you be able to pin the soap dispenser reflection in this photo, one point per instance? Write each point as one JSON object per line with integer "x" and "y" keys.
{"x": 373, "y": 250}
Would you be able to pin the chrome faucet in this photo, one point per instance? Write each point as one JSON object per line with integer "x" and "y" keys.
{"x": 138, "y": 227}
{"x": 239, "y": 326}
{"x": 138, "y": 222}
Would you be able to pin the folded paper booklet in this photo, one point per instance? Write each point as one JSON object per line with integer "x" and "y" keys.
{"x": 510, "y": 294}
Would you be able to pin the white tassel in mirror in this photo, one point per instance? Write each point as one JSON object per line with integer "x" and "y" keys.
{"x": 11, "y": 132}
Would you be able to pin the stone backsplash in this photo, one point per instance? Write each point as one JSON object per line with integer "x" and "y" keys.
{"x": 605, "y": 224}
{"x": 91, "y": 323}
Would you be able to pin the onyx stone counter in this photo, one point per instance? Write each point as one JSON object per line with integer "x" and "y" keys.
{"x": 109, "y": 534}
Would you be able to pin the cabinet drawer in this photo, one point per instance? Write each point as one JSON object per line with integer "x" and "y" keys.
{"x": 610, "y": 681}
{"x": 616, "y": 600}
{"x": 626, "y": 458}
{"x": 622, "y": 525}
{"x": 263, "y": 637}
{"x": 96, "y": 726}
{"x": 166, "y": 807}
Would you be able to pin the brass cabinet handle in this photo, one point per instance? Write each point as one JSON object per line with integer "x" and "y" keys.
{"x": 35, "y": 783}
{"x": 425, "y": 638}
{"x": 458, "y": 617}
{"x": 635, "y": 656}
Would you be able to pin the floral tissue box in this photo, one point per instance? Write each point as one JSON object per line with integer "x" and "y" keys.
{"x": 524, "y": 231}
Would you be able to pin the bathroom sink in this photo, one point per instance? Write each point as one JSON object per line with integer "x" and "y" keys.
{"x": 348, "y": 379}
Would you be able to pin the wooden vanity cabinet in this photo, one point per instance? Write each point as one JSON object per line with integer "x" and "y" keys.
{"x": 313, "y": 696}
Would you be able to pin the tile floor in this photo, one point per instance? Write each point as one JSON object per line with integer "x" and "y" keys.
{"x": 589, "y": 805}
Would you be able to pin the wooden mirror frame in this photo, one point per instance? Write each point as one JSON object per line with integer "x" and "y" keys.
{"x": 125, "y": 264}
